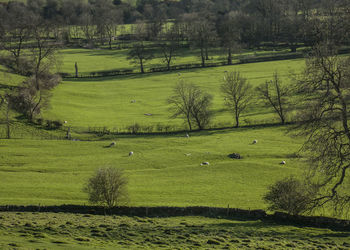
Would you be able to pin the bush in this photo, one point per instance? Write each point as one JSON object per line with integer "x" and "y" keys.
{"x": 135, "y": 128}
{"x": 107, "y": 187}
{"x": 53, "y": 124}
{"x": 290, "y": 195}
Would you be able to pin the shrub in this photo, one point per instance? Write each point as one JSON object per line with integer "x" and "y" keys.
{"x": 135, "y": 128}
{"x": 53, "y": 124}
{"x": 290, "y": 195}
{"x": 107, "y": 187}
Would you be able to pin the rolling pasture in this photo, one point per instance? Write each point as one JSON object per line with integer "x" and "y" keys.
{"x": 106, "y": 102}
{"x": 164, "y": 170}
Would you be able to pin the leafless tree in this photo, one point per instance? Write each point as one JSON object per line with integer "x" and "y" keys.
{"x": 86, "y": 22}
{"x": 276, "y": 95}
{"x": 229, "y": 32}
{"x": 139, "y": 53}
{"x": 107, "y": 187}
{"x": 237, "y": 92}
{"x": 324, "y": 90}
{"x": 201, "y": 33}
{"x": 191, "y": 103}
{"x": 17, "y": 24}
{"x": 170, "y": 44}
{"x": 106, "y": 17}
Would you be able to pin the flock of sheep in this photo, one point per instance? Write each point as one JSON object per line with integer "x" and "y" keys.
{"x": 131, "y": 153}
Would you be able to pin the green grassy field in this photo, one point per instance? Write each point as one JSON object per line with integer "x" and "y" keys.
{"x": 165, "y": 170}
{"x": 107, "y": 101}
{"x": 160, "y": 172}
{"x": 69, "y": 231}
{"x": 92, "y": 60}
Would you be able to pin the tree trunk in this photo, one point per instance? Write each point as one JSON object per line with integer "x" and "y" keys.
{"x": 206, "y": 54}
{"x": 282, "y": 119}
{"x": 203, "y": 57}
{"x": 168, "y": 65}
{"x": 237, "y": 119}
{"x": 76, "y": 69}
{"x": 229, "y": 57}
{"x": 189, "y": 123}
{"x": 141, "y": 66}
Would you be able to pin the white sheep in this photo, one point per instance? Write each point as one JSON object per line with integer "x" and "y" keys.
{"x": 283, "y": 162}
{"x": 205, "y": 163}
{"x": 131, "y": 153}
{"x": 255, "y": 141}
{"x": 133, "y": 101}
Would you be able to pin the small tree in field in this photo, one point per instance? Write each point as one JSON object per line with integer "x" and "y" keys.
{"x": 290, "y": 195}
{"x": 191, "y": 103}
{"x": 107, "y": 187}
{"x": 237, "y": 92}
{"x": 276, "y": 95}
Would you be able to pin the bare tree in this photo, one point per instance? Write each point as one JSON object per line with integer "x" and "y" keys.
{"x": 200, "y": 110}
{"x": 42, "y": 80}
{"x": 324, "y": 91}
{"x": 139, "y": 53}
{"x": 237, "y": 92}
{"x": 201, "y": 34}
{"x": 106, "y": 17}
{"x": 276, "y": 95}
{"x": 229, "y": 32}
{"x": 170, "y": 44}
{"x": 107, "y": 187}
{"x": 17, "y": 24}
{"x": 86, "y": 22}
{"x": 191, "y": 103}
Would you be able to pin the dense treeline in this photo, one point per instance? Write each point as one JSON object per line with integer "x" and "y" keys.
{"x": 163, "y": 27}
{"x": 204, "y": 23}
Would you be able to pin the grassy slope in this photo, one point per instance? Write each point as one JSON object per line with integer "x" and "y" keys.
{"x": 91, "y": 60}
{"x": 68, "y": 231}
{"x": 106, "y": 101}
{"x": 53, "y": 172}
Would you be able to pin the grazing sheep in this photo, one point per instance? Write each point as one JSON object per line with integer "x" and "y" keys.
{"x": 255, "y": 141}
{"x": 65, "y": 122}
{"x": 205, "y": 163}
{"x": 133, "y": 101}
{"x": 131, "y": 153}
{"x": 112, "y": 144}
{"x": 148, "y": 114}
{"x": 189, "y": 154}
{"x": 283, "y": 162}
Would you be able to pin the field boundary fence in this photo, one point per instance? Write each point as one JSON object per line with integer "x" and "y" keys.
{"x": 213, "y": 212}
{"x": 238, "y": 60}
